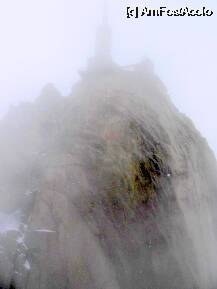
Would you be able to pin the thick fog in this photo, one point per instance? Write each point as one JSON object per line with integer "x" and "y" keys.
{"x": 104, "y": 183}
{"x": 51, "y": 40}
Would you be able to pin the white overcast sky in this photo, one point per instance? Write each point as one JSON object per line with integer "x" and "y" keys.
{"x": 50, "y": 40}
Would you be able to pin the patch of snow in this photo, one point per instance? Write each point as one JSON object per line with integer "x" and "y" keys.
{"x": 28, "y": 193}
{"x": 25, "y": 227}
{"x": 9, "y": 222}
{"x": 44, "y": 230}
{"x": 27, "y": 265}
{"x": 20, "y": 240}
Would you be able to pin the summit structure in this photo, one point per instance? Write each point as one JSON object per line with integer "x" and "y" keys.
{"x": 102, "y": 59}
{"x": 103, "y": 48}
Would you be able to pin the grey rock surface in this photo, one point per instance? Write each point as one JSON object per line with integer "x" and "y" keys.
{"x": 117, "y": 189}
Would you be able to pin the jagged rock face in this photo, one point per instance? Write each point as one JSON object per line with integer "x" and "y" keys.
{"x": 124, "y": 191}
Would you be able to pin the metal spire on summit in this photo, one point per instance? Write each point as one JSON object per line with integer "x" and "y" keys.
{"x": 103, "y": 38}
{"x": 102, "y": 58}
